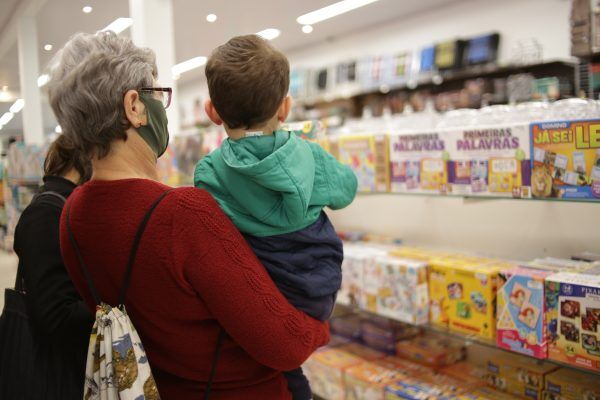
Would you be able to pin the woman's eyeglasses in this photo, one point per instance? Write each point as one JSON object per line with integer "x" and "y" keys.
{"x": 162, "y": 94}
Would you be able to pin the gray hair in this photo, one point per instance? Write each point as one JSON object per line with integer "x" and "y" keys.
{"x": 88, "y": 78}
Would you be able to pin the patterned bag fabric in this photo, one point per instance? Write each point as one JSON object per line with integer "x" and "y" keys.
{"x": 117, "y": 367}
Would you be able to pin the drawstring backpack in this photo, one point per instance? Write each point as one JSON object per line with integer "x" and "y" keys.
{"x": 117, "y": 366}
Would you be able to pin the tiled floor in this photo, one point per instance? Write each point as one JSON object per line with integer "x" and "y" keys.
{"x": 8, "y": 270}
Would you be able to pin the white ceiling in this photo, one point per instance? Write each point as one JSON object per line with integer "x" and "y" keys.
{"x": 194, "y": 36}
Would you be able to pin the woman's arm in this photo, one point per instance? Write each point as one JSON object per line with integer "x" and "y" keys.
{"x": 54, "y": 305}
{"x": 235, "y": 287}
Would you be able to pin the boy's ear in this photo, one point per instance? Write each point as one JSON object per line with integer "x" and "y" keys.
{"x": 284, "y": 109}
{"x": 213, "y": 115}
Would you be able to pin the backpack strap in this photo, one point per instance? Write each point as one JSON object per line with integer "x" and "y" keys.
{"x": 131, "y": 262}
{"x": 213, "y": 368}
{"x": 19, "y": 282}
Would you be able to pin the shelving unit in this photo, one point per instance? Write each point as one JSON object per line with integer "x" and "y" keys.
{"x": 477, "y": 198}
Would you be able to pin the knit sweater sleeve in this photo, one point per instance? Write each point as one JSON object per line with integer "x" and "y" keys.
{"x": 221, "y": 267}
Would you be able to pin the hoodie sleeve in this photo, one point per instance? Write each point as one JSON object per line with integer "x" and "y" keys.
{"x": 335, "y": 183}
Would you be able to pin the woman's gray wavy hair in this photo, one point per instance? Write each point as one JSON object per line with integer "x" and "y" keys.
{"x": 88, "y": 78}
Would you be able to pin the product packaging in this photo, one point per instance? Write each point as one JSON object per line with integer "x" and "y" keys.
{"x": 485, "y": 393}
{"x": 409, "y": 367}
{"x": 521, "y": 325}
{"x": 568, "y": 384}
{"x": 348, "y": 326}
{"x": 506, "y": 368}
{"x": 363, "y": 352}
{"x": 367, "y": 381}
{"x": 471, "y": 374}
{"x": 397, "y": 288}
{"x": 368, "y": 157}
{"x": 566, "y": 160}
{"x": 573, "y": 318}
{"x": 325, "y": 372}
{"x": 515, "y": 388}
{"x": 356, "y": 258}
{"x": 437, "y": 388}
{"x": 490, "y": 161}
{"x": 435, "y": 351}
{"x": 418, "y": 163}
{"x": 382, "y": 333}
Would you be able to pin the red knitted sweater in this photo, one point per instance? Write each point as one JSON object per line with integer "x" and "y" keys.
{"x": 194, "y": 273}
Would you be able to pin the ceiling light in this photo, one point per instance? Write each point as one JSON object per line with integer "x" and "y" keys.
{"x": 211, "y": 17}
{"x": 331, "y": 11}
{"x": 58, "y": 129}
{"x": 43, "y": 79}
{"x": 87, "y": 9}
{"x": 6, "y": 117}
{"x": 307, "y": 28}
{"x": 119, "y": 25}
{"x": 48, "y": 47}
{"x": 17, "y": 106}
{"x": 185, "y": 66}
{"x": 269, "y": 34}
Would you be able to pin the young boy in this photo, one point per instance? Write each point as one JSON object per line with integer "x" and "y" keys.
{"x": 272, "y": 184}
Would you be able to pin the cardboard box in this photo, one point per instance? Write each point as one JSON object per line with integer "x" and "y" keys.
{"x": 516, "y": 388}
{"x": 356, "y": 258}
{"x": 490, "y": 161}
{"x": 368, "y": 157}
{"x": 566, "y": 160}
{"x": 418, "y": 163}
{"x": 570, "y": 384}
{"x": 367, "y": 381}
{"x": 362, "y": 352}
{"x": 485, "y": 393}
{"x": 521, "y": 325}
{"x": 471, "y": 374}
{"x": 397, "y": 288}
{"x": 573, "y": 318}
{"x": 435, "y": 351}
{"x": 513, "y": 368}
{"x": 436, "y": 387}
{"x": 325, "y": 372}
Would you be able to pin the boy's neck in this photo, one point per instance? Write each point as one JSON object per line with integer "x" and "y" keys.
{"x": 267, "y": 128}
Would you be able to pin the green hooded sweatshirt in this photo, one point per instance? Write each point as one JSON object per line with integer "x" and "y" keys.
{"x": 274, "y": 184}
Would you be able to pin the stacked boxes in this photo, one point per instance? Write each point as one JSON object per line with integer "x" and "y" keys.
{"x": 397, "y": 288}
{"x": 567, "y": 384}
{"x": 573, "y": 318}
{"x": 521, "y": 325}
{"x": 435, "y": 351}
{"x": 356, "y": 259}
{"x": 367, "y": 381}
{"x": 325, "y": 371}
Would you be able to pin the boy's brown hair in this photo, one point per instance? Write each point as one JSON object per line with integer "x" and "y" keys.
{"x": 247, "y": 81}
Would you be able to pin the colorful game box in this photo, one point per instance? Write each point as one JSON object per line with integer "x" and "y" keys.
{"x": 485, "y": 393}
{"x": 566, "y": 159}
{"x": 469, "y": 294}
{"x": 368, "y": 156}
{"x": 434, "y": 351}
{"x": 466, "y": 372}
{"x": 573, "y": 318}
{"x": 356, "y": 258}
{"x": 490, "y": 161}
{"x": 568, "y": 384}
{"x": 418, "y": 163}
{"x": 521, "y": 325}
{"x": 506, "y": 367}
{"x": 363, "y": 352}
{"x": 438, "y": 388}
{"x": 397, "y": 288}
{"x": 382, "y": 333}
{"x": 516, "y": 388}
{"x": 325, "y": 372}
{"x": 367, "y": 381}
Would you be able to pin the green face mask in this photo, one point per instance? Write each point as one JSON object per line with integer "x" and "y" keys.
{"x": 155, "y": 133}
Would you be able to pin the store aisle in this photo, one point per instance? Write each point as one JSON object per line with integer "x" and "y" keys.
{"x": 8, "y": 270}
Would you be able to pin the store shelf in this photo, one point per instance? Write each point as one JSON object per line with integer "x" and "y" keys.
{"x": 442, "y": 79}
{"x": 477, "y": 198}
{"x": 468, "y": 339}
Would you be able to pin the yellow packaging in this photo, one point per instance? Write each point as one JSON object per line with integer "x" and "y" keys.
{"x": 363, "y": 352}
{"x": 515, "y": 368}
{"x": 325, "y": 372}
{"x": 515, "y": 388}
{"x": 570, "y": 384}
{"x": 368, "y": 157}
{"x": 367, "y": 381}
{"x": 466, "y": 372}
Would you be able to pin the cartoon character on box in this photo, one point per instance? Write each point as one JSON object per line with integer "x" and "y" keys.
{"x": 566, "y": 159}
{"x": 438, "y": 295}
{"x": 434, "y": 175}
{"x": 574, "y": 319}
{"x": 521, "y": 325}
{"x": 368, "y": 157}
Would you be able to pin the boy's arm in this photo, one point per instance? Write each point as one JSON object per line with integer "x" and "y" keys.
{"x": 339, "y": 179}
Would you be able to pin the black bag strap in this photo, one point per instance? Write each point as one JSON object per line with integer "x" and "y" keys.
{"x": 19, "y": 282}
{"x": 213, "y": 368}
{"x": 130, "y": 263}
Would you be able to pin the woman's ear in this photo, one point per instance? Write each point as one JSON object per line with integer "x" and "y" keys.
{"x": 284, "y": 109}
{"x": 135, "y": 111}
{"x": 212, "y": 113}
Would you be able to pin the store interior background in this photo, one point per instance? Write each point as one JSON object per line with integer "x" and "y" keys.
{"x": 504, "y": 228}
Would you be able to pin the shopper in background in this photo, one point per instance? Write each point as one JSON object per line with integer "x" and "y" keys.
{"x": 195, "y": 274}
{"x": 60, "y": 321}
{"x": 272, "y": 184}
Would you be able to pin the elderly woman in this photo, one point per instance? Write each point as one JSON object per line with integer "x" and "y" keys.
{"x": 194, "y": 274}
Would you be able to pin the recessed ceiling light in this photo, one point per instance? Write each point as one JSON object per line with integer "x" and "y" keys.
{"x": 331, "y": 11}
{"x": 307, "y": 28}
{"x": 6, "y": 117}
{"x": 187, "y": 65}
{"x": 211, "y": 17}
{"x": 119, "y": 25}
{"x": 17, "y": 106}
{"x": 87, "y": 9}
{"x": 48, "y": 47}
{"x": 42, "y": 80}
{"x": 269, "y": 34}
